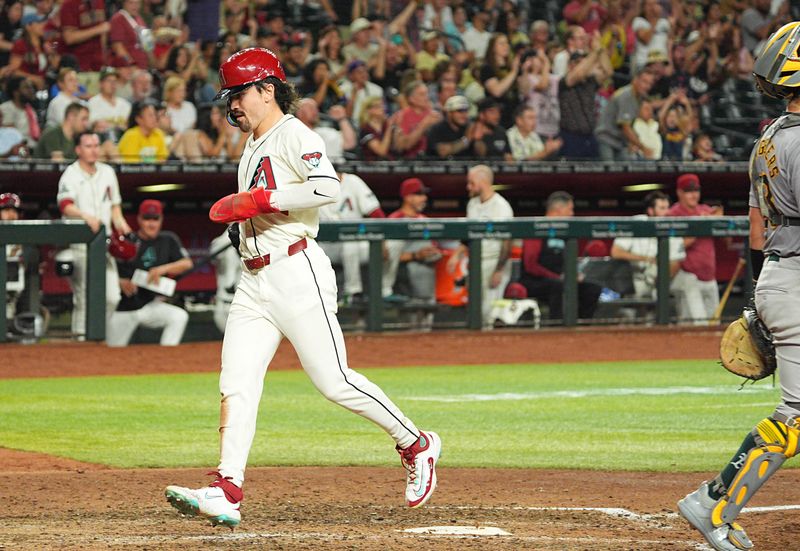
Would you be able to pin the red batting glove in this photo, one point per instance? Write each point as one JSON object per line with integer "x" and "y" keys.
{"x": 241, "y": 206}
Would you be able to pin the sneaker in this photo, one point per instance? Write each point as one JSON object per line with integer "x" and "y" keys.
{"x": 697, "y": 507}
{"x": 420, "y": 462}
{"x": 219, "y": 501}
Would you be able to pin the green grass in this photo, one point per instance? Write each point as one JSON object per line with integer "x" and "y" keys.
{"x": 171, "y": 421}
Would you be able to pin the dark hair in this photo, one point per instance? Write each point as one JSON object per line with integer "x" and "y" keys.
{"x": 310, "y": 68}
{"x": 137, "y": 109}
{"x": 204, "y": 121}
{"x": 79, "y": 136}
{"x": 74, "y": 107}
{"x": 13, "y": 84}
{"x": 172, "y": 59}
{"x": 521, "y": 108}
{"x": 651, "y": 198}
{"x": 558, "y": 198}
{"x": 285, "y": 95}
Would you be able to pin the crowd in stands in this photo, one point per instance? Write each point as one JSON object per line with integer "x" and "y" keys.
{"x": 504, "y": 79}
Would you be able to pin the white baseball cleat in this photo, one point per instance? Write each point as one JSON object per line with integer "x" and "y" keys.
{"x": 420, "y": 462}
{"x": 218, "y": 502}
{"x": 697, "y": 507}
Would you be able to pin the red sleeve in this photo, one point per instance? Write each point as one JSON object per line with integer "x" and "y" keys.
{"x": 118, "y": 28}
{"x": 69, "y": 15}
{"x": 19, "y": 48}
{"x": 531, "y": 249}
{"x": 377, "y": 213}
{"x": 569, "y": 12}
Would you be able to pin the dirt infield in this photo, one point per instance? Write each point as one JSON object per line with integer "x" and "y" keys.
{"x": 55, "y": 503}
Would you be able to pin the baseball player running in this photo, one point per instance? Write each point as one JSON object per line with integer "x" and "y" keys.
{"x": 775, "y": 187}
{"x": 287, "y": 289}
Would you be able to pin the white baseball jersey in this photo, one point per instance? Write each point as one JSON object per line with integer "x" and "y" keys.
{"x": 93, "y": 194}
{"x": 496, "y": 208}
{"x": 100, "y": 109}
{"x": 356, "y": 201}
{"x": 647, "y": 272}
{"x": 288, "y": 155}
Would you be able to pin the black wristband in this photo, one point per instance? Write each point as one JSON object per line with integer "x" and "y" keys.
{"x": 756, "y": 261}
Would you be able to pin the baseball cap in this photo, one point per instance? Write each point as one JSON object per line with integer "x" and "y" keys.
{"x": 413, "y": 186}
{"x": 456, "y": 103}
{"x": 656, "y": 56}
{"x": 107, "y": 72}
{"x": 29, "y": 18}
{"x": 429, "y": 35}
{"x": 359, "y": 25}
{"x": 9, "y": 201}
{"x": 688, "y": 182}
{"x": 151, "y": 207}
{"x": 355, "y": 64}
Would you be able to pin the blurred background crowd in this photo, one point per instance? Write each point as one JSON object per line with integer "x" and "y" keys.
{"x": 388, "y": 79}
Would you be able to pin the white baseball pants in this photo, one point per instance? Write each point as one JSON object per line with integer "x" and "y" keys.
{"x": 489, "y": 294}
{"x": 294, "y": 296}
{"x": 78, "y": 284}
{"x": 696, "y": 300}
{"x": 153, "y": 315}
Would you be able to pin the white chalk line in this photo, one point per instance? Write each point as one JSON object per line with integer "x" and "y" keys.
{"x": 591, "y": 393}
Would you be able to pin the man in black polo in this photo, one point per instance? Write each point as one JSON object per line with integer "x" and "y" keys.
{"x": 489, "y": 139}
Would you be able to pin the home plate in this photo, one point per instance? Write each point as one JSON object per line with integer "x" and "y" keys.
{"x": 459, "y": 531}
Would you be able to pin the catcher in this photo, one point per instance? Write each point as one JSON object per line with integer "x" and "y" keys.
{"x": 775, "y": 242}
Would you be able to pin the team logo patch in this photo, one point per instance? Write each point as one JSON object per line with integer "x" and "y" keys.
{"x": 312, "y": 158}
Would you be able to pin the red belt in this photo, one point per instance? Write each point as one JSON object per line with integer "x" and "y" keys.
{"x": 261, "y": 261}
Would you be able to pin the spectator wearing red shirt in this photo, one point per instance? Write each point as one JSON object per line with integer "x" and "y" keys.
{"x": 414, "y": 121}
{"x": 543, "y": 266}
{"x": 130, "y": 38}
{"x": 419, "y": 257}
{"x": 695, "y": 284}
{"x": 85, "y": 31}
{"x": 28, "y": 56}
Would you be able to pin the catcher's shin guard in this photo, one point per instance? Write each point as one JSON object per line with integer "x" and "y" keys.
{"x": 776, "y": 441}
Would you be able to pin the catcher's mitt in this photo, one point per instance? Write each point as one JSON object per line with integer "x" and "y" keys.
{"x": 746, "y": 348}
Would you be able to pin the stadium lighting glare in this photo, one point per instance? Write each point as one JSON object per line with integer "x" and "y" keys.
{"x": 642, "y": 187}
{"x": 158, "y": 188}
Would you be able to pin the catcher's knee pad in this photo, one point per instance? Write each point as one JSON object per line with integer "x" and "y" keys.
{"x": 776, "y": 441}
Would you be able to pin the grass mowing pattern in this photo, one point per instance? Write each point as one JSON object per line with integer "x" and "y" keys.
{"x": 171, "y": 420}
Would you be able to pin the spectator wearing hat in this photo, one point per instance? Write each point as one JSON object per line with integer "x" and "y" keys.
{"x": 67, "y": 94}
{"x": 429, "y": 56}
{"x": 489, "y": 139}
{"x": 695, "y": 284}
{"x": 28, "y": 55}
{"x": 108, "y": 112}
{"x": 360, "y": 47}
{"x": 414, "y": 121}
{"x": 161, "y": 255}
{"x": 658, "y": 63}
{"x": 615, "y": 136}
{"x": 143, "y": 141}
{"x": 525, "y": 143}
{"x": 18, "y": 111}
{"x": 448, "y": 138}
{"x": 358, "y": 88}
{"x": 131, "y": 40}
{"x": 85, "y": 31}
{"x": 419, "y": 257}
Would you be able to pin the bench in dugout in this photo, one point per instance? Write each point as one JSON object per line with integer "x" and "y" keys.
{"x": 616, "y": 275}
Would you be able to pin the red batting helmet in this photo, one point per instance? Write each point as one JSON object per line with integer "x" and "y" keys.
{"x": 9, "y": 201}
{"x": 124, "y": 247}
{"x": 247, "y": 67}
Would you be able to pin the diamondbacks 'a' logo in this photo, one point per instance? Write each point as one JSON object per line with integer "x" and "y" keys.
{"x": 263, "y": 176}
{"x": 312, "y": 158}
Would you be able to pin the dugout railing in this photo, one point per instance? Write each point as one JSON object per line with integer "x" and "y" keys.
{"x": 570, "y": 229}
{"x": 36, "y": 232}
{"x": 60, "y": 233}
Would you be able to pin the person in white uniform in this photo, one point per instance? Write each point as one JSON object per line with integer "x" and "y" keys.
{"x": 486, "y": 204}
{"x": 287, "y": 289}
{"x": 356, "y": 201}
{"x": 89, "y": 190}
